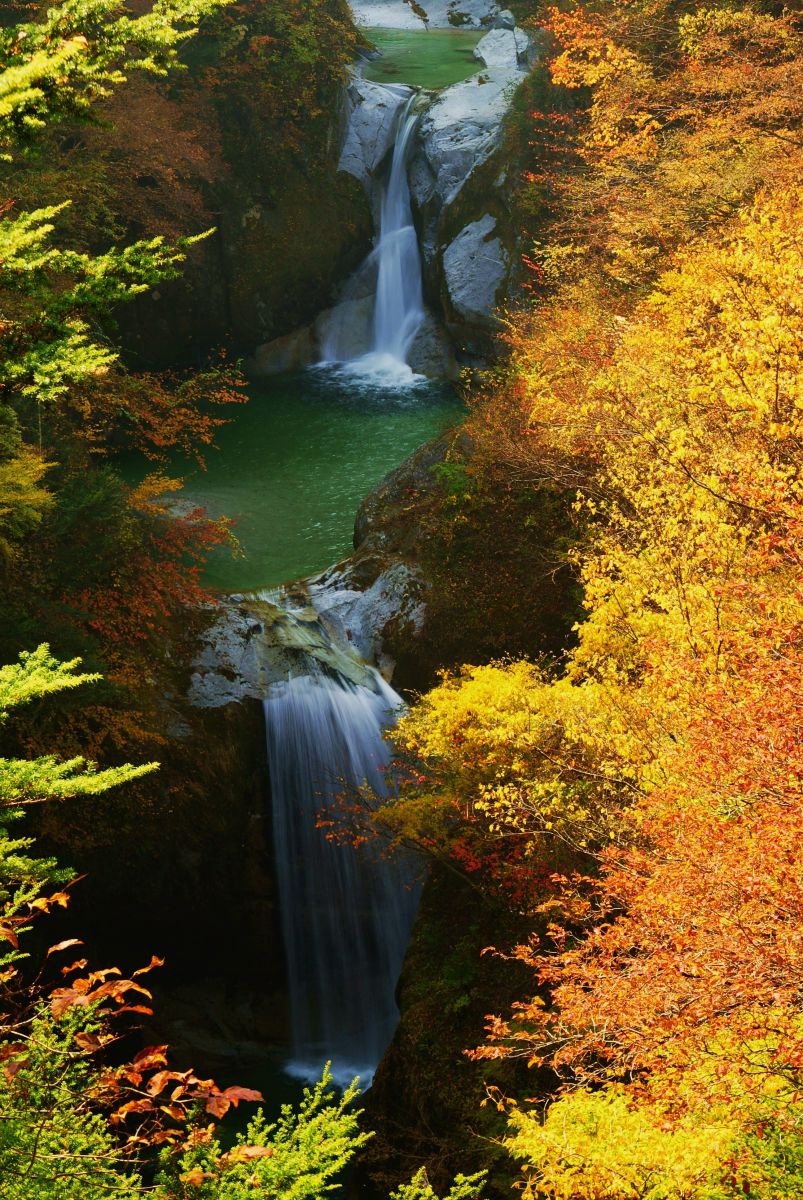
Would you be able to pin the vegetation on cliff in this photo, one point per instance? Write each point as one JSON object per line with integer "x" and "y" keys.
{"x": 83, "y": 1111}
{"x": 637, "y": 801}
{"x": 619, "y": 812}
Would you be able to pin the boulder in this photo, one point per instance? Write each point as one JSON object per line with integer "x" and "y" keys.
{"x": 432, "y": 353}
{"x": 371, "y": 115}
{"x": 362, "y": 617}
{"x": 288, "y": 353}
{"x": 459, "y": 132}
{"x": 498, "y": 50}
{"x": 475, "y": 266}
{"x": 504, "y": 20}
{"x": 347, "y": 330}
{"x": 525, "y": 47}
{"x": 254, "y": 642}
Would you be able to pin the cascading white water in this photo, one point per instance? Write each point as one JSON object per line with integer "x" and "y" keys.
{"x": 399, "y": 295}
{"x": 346, "y": 915}
{"x": 399, "y": 300}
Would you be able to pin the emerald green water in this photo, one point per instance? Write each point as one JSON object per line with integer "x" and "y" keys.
{"x": 434, "y": 58}
{"x": 293, "y": 465}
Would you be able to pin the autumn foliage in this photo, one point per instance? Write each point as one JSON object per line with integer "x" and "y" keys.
{"x": 640, "y": 799}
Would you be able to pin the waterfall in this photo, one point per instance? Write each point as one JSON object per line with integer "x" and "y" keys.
{"x": 346, "y": 914}
{"x": 399, "y": 298}
{"x": 399, "y": 295}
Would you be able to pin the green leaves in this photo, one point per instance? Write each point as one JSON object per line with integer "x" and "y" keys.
{"x": 298, "y": 1157}
{"x": 466, "y": 1187}
{"x": 79, "y": 53}
{"x": 54, "y": 297}
{"x": 24, "y": 782}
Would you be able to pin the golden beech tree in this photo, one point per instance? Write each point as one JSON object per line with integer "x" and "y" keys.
{"x": 687, "y": 979}
{"x": 691, "y": 110}
{"x": 661, "y": 774}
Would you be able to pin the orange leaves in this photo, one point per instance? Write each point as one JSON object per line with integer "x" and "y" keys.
{"x": 95, "y": 988}
{"x": 13, "y": 1056}
{"x": 195, "y": 1177}
{"x": 64, "y": 946}
{"x": 9, "y": 934}
{"x": 187, "y": 1092}
{"x": 681, "y": 966}
{"x": 218, "y": 1103}
{"x": 688, "y": 114}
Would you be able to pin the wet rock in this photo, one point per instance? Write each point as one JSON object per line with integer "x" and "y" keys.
{"x": 432, "y": 353}
{"x": 250, "y": 646}
{"x": 441, "y": 14}
{"x": 498, "y": 50}
{"x": 347, "y": 330}
{"x": 288, "y": 353}
{"x": 372, "y": 110}
{"x": 367, "y": 617}
{"x": 475, "y": 267}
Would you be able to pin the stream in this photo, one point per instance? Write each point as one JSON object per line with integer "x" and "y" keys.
{"x": 291, "y": 469}
{"x": 293, "y": 465}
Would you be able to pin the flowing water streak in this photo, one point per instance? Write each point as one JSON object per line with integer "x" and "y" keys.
{"x": 399, "y": 295}
{"x": 346, "y": 916}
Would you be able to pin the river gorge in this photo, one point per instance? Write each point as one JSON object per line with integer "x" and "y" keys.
{"x": 303, "y": 628}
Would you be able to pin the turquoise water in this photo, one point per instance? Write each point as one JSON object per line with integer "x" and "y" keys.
{"x": 293, "y": 465}
{"x": 433, "y": 58}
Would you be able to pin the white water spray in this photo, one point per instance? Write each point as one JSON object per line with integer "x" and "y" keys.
{"x": 399, "y": 296}
{"x": 346, "y": 915}
{"x": 399, "y": 303}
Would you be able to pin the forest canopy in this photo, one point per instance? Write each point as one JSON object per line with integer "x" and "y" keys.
{"x": 628, "y": 802}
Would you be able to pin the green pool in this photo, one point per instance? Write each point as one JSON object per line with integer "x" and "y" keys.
{"x": 293, "y": 465}
{"x": 434, "y": 58}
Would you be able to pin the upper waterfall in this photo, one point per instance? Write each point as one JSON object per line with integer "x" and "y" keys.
{"x": 399, "y": 299}
{"x": 399, "y": 293}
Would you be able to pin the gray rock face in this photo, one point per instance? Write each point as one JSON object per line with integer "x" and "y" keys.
{"x": 254, "y": 642}
{"x": 347, "y": 330}
{"x": 441, "y": 14}
{"x": 228, "y": 668}
{"x": 475, "y": 266}
{"x": 432, "y": 353}
{"x": 359, "y": 616}
{"x": 525, "y": 47}
{"x": 459, "y": 132}
{"x": 504, "y": 20}
{"x": 372, "y": 110}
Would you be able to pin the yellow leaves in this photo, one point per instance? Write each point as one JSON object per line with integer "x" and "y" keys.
{"x": 601, "y": 1145}
{"x": 152, "y": 494}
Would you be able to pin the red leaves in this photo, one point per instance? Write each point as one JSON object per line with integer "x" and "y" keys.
{"x": 188, "y": 1090}
{"x": 219, "y": 1103}
{"x": 132, "y": 1106}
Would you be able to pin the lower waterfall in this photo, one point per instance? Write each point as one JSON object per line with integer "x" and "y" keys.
{"x": 346, "y": 914}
